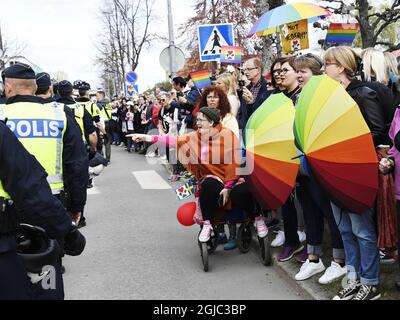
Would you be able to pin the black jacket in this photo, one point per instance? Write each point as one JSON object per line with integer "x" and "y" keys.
{"x": 374, "y": 116}
{"x": 25, "y": 181}
{"x": 385, "y": 98}
{"x": 246, "y": 110}
{"x": 75, "y": 160}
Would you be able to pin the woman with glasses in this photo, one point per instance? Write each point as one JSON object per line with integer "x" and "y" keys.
{"x": 358, "y": 230}
{"x": 292, "y": 236}
{"x": 212, "y": 154}
{"x": 215, "y": 97}
{"x": 276, "y": 79}
{"x": 316, "y": 205}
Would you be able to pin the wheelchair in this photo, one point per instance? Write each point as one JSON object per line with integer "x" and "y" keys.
{"x": 245, "y": 235}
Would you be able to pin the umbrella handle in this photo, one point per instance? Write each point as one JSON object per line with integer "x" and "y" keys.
{"x": 298, "y": 157}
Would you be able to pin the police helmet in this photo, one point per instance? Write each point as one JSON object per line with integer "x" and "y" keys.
{"x": 96, "y": 171}
{"x": 81, "y": 85}
{"x": 35, "y": 248}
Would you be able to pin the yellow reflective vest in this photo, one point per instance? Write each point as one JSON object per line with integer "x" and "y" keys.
{"x": 40, "y": 128}
{"x": 79, "y": 112}
{"x": 3, "y": 193}
{"x": 106, "y": 112}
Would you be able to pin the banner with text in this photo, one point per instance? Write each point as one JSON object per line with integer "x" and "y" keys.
{"x": 294, "y": 36}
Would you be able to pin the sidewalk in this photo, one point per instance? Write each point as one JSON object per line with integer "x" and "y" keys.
{"x": 316, "y": 291}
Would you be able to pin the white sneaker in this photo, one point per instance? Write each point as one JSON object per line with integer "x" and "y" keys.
{"x": 333, "y": 273}
{"x": 150, "y": 155}
{"x": 308, "y": 269}
{"x": 279, "y": 239}
{"x": 302, "y": 236}
{"x": 205, "y": 233}
{"x": 261, "y": 227}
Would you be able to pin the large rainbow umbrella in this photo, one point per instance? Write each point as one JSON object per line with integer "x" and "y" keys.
{"x": 337, "y": 143}
{"x": 270, "y": 148}
{"x": 278, "y": 16}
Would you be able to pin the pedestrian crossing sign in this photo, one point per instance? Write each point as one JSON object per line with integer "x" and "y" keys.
{"x": 212, "y": 37}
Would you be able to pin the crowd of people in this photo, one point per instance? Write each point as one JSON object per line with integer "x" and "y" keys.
{"x": 371, "y": 78}
{"x": 187, "y": 127}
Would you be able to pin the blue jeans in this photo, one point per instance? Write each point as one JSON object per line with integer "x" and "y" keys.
{"x": 360, "y": 244}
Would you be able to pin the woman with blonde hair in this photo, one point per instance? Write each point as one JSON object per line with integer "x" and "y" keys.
{"x": 358, "y": 230}
{"x": 226, "y": 82}
{"x": 392, "y": 73}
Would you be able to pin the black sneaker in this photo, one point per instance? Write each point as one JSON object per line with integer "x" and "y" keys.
{"x": 368, "y": 293}
{"x": 222, "y": 239}
{"x": 349, "y": 292}
{"x": 385, "y": 257}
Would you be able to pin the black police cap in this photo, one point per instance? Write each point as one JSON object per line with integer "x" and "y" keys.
{"x": 65, "y": 85}
{"x": 19, "y": 71}
{"x": 43, "y": 80}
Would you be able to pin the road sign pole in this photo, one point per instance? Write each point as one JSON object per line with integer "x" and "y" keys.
{"x": 171, "y": 41}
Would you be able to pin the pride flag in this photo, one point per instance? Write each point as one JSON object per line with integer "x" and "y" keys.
{"x": 339, "y": 33}
{"x": 201, "y": 79}
{"x": 231, "y": 54}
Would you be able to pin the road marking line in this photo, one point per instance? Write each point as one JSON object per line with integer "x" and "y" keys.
{"x": 151, "y": 180}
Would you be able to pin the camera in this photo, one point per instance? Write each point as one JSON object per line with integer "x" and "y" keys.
{"x": 242, "y": 83}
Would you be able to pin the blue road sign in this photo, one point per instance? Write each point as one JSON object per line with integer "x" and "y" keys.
{"x": 212, "y": 37}
{"x": 131, "y": 77}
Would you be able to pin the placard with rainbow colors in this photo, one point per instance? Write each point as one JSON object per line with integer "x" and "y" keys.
{"x": 231, "y": 54}
{"x": 201, "y": 79}
{"x": 339, "y": 33}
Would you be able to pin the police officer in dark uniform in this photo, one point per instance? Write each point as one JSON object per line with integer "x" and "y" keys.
{"x": 19, "y": 90}
{"x": 44, "y": 87}
{"x": 23, "y": 180}
{"x": 65, "y": 90}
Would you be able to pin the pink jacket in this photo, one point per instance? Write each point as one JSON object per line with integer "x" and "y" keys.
{"x": 394, "y": 129}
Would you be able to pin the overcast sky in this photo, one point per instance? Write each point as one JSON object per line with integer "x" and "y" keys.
{"x": 61, "y": 35}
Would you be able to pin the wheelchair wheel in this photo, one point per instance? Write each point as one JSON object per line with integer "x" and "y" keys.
{"x": 212, "y": 244}
{"x": 265, "y": 251}
{"x": 244, "y": 237}
{"x": 204, "y": 255}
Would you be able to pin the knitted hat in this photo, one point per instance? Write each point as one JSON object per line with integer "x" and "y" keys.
{"x": 211, "y": 113}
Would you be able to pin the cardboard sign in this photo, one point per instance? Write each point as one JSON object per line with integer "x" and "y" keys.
{"x": 294, "y": 36}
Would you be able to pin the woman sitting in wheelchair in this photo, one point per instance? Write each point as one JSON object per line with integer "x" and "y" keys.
{"x": 213, "y": 155}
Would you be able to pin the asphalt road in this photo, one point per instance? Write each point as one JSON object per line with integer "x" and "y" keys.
{"x": 136, "y": 249}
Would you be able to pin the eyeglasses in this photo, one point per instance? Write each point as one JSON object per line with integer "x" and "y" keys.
{"x": 329, "y": 64}
{"x": 162, "y": 100}
{"x": 276, "y": 72}
{"x": 249, "y": 69}
{"x": 284, "y": 70}
{"x": 212, "y": 97}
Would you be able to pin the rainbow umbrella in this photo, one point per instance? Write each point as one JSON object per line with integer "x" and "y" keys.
{"x": 338, "y": 147}
{"x": 270, "y": 148}
{"x": 278, "y": 16}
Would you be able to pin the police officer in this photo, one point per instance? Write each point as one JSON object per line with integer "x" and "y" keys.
{"x": 50, "y": 133}
{"x": 23, "y": 180}
{"x": 82, "y": 116}
{"x": 106, "y": 111}
{"x": 44, "y": 87}
{"x": 83, "y": 99}
{"x": 52, "y": 125}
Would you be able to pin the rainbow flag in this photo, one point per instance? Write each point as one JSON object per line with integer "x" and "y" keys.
{"x": 341, "y": 33}
{"x": 201, "y": 79}
{"x": 231, "y": 54}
